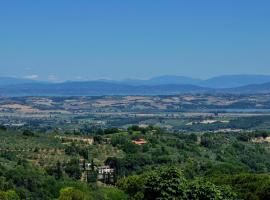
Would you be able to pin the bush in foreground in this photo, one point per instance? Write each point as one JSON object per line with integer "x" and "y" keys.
{"x": 170, "y": 183}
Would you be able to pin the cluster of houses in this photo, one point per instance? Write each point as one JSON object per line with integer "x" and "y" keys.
{"x": 105, "y": 173}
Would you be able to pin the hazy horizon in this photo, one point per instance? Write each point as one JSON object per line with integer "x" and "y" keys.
{"x": 134, "y": 78}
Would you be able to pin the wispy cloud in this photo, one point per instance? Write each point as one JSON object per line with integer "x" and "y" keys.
{"x": 81, "y": 78}
{"x": 32, "y": 77}
{"x": 52, "y": 77}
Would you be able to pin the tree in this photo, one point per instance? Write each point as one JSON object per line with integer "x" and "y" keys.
{"x": 73, "y": 169}
{"x": 169, "y": 183}
{"x": 110, "y": 193}
{"x": 200, "y": 189}
{"x": 70, "y": 193}
{"x": 98, "y": 139}
{"x": 247, "y": 186}
{"x": 3, "y": 128}
{"x": 132, "y": 185}
{"x": 59, "y": 172}
{"x": 9, "y": 195}
{"x": 116, "y": 164}
{"x": 28, "y": 133}
{"x": 92, "y": 176}
{"x": 165, "y": 183}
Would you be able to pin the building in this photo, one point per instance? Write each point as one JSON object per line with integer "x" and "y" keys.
{"x": 139, "y": 141}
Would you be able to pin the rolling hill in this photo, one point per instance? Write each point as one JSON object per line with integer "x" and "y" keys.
{"x": 157, "y": 86}
{"x": 94, "y": 88}
{"x": 225, "y": 81}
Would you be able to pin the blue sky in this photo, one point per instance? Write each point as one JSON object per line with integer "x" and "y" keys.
{"x": 91, "y": 39}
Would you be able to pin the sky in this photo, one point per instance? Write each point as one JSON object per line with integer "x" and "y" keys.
{"x": 116, "y": 39}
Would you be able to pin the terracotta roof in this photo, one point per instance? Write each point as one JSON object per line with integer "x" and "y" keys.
{"x": 139, "y": 141}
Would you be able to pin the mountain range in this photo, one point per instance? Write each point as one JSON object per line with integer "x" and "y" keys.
{"x": 225, "y": 81}
{"x": 162, "y": 85}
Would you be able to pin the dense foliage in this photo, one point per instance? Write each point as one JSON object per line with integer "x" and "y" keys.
{"x": 170, "y": 183}
{"x": 166, "y": 165}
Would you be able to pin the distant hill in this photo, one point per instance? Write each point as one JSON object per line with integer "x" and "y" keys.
{"x": 166, "y": 85}
{"x": 94, "y": 88}
{"x": 254, "y": 88}
{"x": 230, "y": 81}
{"x": 163, "y": 80}
{"x": 225, "y": 81}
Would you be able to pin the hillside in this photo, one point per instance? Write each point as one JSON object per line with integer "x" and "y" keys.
{"x": 224, "y": 81}
{"x": 165, "y": 85}
{"x": 94, "y": 88}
